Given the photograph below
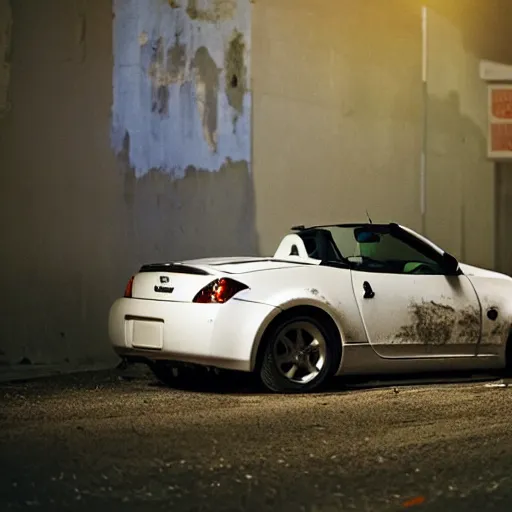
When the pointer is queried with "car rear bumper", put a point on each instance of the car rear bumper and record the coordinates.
(221, 335)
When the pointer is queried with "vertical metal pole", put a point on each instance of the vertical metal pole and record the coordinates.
(424, 78)
(498, 260)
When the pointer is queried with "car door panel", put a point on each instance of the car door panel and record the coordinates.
(418, 315)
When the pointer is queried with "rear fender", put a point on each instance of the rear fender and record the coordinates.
(343, 312)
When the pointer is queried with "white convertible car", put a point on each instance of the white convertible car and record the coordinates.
(347, 299)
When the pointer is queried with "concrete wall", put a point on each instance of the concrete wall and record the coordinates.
(77, 219)
(339, 113)
(461, 181)
(337, 128)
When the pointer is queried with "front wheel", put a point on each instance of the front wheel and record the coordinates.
(300, 355)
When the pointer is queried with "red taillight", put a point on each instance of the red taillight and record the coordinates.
(129, 288)
(220, 291)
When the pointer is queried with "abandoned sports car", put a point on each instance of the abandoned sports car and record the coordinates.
(348, 299)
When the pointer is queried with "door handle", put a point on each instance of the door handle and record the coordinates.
(368, 292)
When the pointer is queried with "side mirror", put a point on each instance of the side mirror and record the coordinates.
(450, 264)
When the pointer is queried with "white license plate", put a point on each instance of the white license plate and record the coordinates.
(147, 334)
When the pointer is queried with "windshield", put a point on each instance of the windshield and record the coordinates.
(385, 248)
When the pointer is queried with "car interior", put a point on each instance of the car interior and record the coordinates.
(367, 249)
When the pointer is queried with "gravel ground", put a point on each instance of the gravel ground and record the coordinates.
(116, 440)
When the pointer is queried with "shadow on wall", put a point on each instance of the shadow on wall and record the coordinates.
(203, 214)
(477, 19)
(456, 186)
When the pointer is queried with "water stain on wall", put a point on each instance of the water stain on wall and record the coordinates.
(159, 79)
(166, 67)
(176, 62)
(207, 88)
(236, 71)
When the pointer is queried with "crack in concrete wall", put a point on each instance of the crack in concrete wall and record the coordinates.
(81, 27)
(5, 53)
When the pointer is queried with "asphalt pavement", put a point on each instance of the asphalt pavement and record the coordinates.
(115, 440)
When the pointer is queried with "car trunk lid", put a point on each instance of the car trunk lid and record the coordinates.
(180, 282)
(170, 282)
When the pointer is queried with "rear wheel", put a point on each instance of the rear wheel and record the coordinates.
(300, 355)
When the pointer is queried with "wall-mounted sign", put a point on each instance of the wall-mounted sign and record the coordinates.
(500, 121)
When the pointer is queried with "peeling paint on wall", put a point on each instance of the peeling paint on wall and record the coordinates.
(5, 53)
(181, 75)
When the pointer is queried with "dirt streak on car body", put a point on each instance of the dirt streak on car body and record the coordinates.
(434, 324)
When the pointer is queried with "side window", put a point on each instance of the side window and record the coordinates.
(392, 255)
(345, 242)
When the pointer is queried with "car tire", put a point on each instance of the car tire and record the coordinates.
(277, 362)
